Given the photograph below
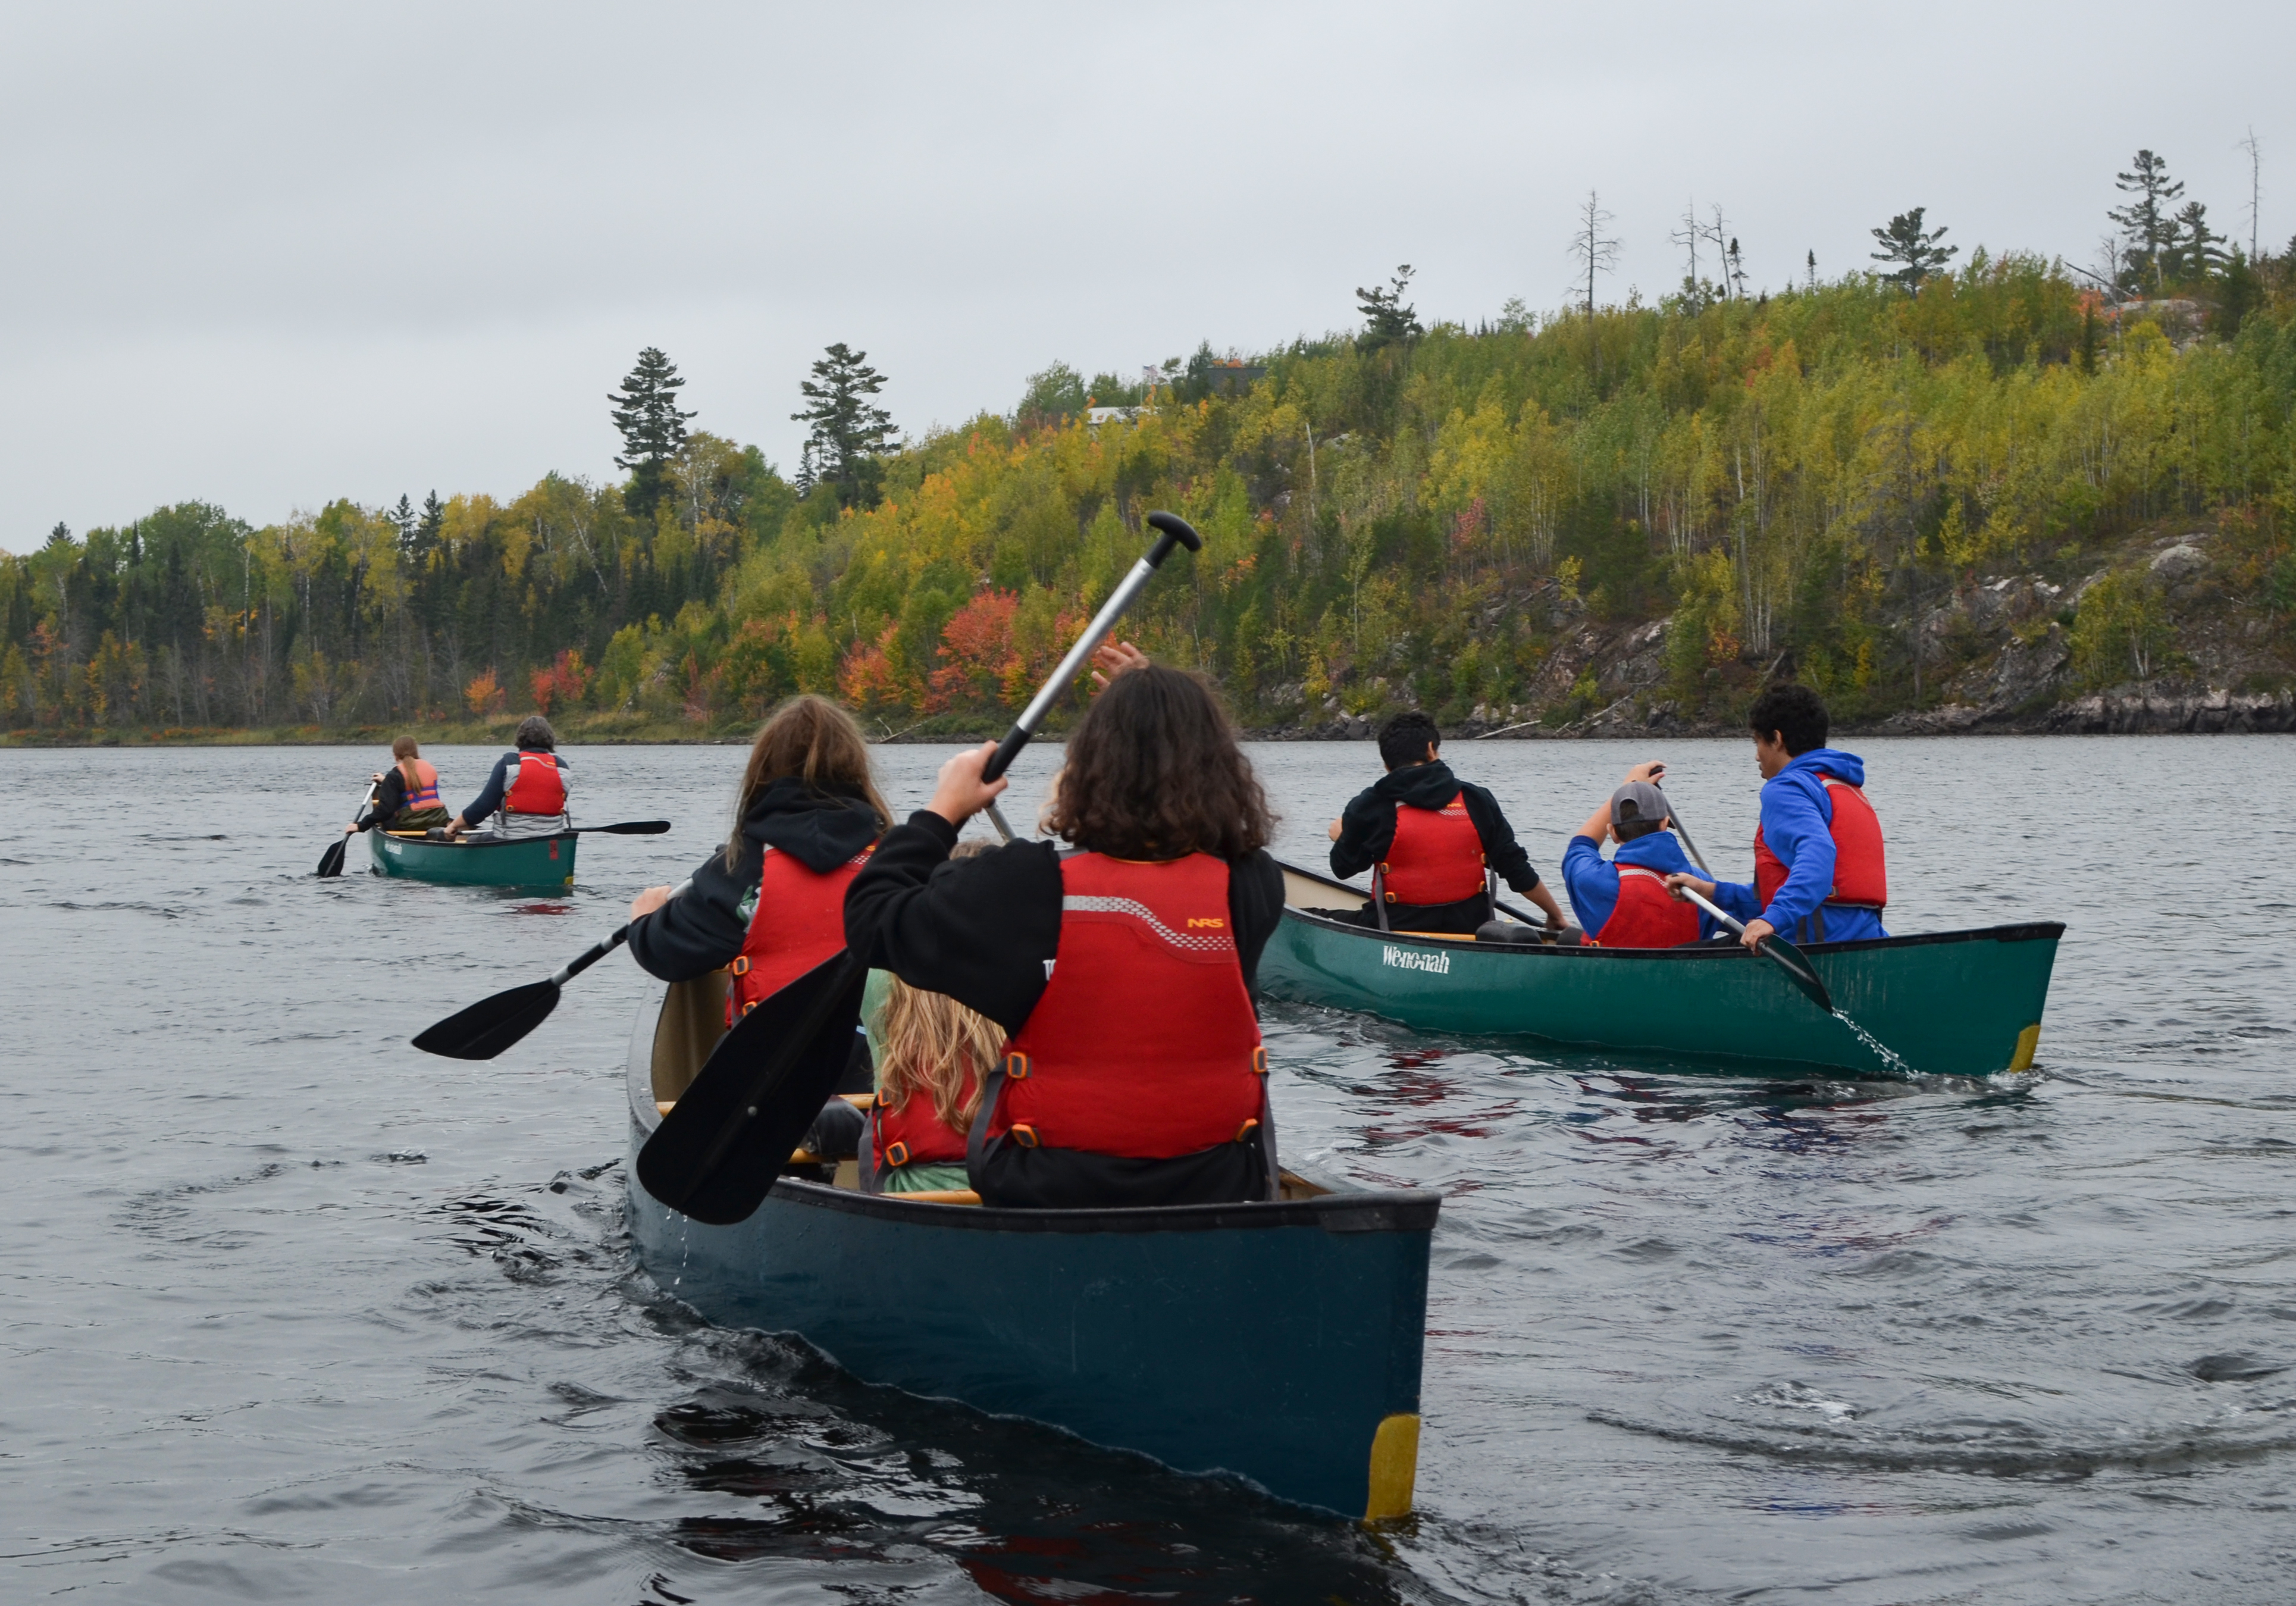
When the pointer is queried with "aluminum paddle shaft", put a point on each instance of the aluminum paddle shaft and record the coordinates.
(1172, 530)
(1774, 948)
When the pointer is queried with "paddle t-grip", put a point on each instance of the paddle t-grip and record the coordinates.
(1172, 530)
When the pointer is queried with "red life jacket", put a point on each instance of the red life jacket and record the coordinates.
(1861, 878)
(1144, 1043)
(422, 784)
(538, 788)
(1645, 915)
(1437, 856)
(799, 921)
(913, 1134)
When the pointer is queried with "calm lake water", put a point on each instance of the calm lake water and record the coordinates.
(293, 1312)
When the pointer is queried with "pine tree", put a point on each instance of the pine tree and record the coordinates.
(645, 412)
(403, 516)
(432, 529)
(851, 433)
(1386, 317)
(2194, 251)
(2145, 224)
(1917, 253)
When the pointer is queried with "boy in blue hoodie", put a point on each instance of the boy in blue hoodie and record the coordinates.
(1626, 902)
(1820, 873)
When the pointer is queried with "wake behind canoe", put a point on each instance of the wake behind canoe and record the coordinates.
(1951, 1004)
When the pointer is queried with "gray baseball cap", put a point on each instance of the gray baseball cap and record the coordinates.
(1638, 801)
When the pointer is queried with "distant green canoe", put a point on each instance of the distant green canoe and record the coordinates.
(1966, 1003)
(537, 862)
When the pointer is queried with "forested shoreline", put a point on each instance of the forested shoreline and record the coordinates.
(1605, 516)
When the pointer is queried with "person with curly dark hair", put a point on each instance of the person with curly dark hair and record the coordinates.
(1121, 969)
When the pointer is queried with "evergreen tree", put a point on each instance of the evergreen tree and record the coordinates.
(2194, 251)
(1916, 253)
(2145, 224)
(1387, 319)
(851, 433)
(430, 529)
(403, 516)
(646, 412)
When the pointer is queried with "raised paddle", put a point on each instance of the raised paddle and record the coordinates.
(627, 828)
(491, 1025)
(1171, 531)
(1775, 950)
(717, 1150)
(331, 863)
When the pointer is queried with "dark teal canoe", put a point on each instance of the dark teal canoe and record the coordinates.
(536, 862)
(1966, 1003)
(1277, 1343)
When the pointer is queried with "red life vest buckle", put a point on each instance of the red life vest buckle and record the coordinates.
(1016, 1068)
(751, 1004)
(1244, 1132)
(1024, 1135)
(898, 1155)
(740, 965)
(1260, 1061)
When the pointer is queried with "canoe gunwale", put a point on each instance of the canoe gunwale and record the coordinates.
(2045, 930)
(462, 842)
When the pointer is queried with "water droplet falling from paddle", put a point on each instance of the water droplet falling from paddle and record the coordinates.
(1881, 1051)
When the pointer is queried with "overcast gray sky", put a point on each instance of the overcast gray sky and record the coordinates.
(268, 256)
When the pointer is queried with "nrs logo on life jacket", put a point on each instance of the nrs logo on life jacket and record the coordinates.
(799, 921)
(1144, 1043)
(539, 788)
(1861, 876)
(1437, 856)
(1646, 915)
(422, 784)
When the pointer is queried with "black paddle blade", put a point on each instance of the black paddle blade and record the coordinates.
(629, 828)
(491, 1025)
(331, 863)
(1797, 967)
(717, 1152)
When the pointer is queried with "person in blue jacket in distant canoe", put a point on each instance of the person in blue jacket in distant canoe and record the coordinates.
(1626, 902)
(1820, 873)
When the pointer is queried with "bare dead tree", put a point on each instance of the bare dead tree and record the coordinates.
(1596, 253)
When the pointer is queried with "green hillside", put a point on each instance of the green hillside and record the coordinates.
(1629, 517)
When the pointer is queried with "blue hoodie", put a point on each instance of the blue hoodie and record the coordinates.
(1593, 882)
(1796, 825)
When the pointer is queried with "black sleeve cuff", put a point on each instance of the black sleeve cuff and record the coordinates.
(926, 820)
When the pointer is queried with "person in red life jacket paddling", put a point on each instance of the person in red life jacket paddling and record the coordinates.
(1433, 840)
(769, 905)
(1121, 969)
(526, 790)
(406, 794)
(1625, 902)
(1820, 873)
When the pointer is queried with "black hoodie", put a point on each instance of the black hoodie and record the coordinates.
(1367, 823)
(702, 929)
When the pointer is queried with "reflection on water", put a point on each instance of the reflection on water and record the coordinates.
(294, 1312)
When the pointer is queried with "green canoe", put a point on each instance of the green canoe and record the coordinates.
(1964, 1004)
(515, 862)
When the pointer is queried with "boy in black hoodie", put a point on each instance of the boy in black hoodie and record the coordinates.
(1431, 838)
